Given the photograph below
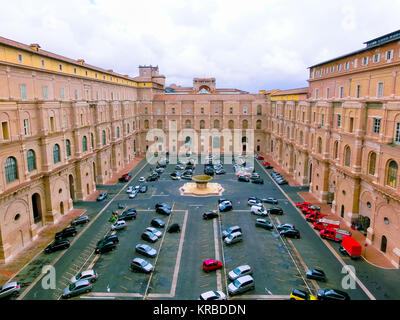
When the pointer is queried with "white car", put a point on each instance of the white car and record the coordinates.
(89, 275)
(241, 285)
(259, 211)
(253, 202)
(129, 189)
(240, 271)
(119, 225)
(132, 195)
(142, 179)
(154, 231)
(213, 295)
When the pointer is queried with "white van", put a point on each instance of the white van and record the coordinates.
(259, 211)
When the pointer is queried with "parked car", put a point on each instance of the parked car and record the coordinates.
(152, 177)
(176, 176)
(213, 295)
(332, 294)
(316, 274)
(297, 294)
(105, 246)
(254, 175)
(65, 233)
(148, 236)
(210, 215)
(211, 265)
(119, 225)
(263, 223)
(154, 231)
(186, 177)
(165, 209)
(57, 244)
(225, 206)
(179, 167)
(143, 189)
(128, 215)
(233, 238)
(77, 288)
(275, 210)
(281, 182)
(129, 189)
(230, 230)
(158, 223)
(239, 272)
(243, 178)
(260, 158)
(220, 171)
(258, 211)
(254, 201)
(142, 179)
(146, 250)
(267, 165)
(291, 233)
(102, 196)
(133, 194)
(174, 228)
(89, 275)
(241, 284)
(112, 237)
(284, 226)
(139, 264)
(270, 200)
(80, 220)
(126, 177)
(209, 171)
(258, 181)
(10, 289)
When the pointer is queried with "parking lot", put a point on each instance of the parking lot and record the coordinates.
(279, 264)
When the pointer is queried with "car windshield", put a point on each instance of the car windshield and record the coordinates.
(144, 263)
(71, 286)
(236, 283)
(79, 275)
(146, 248)
(236, 271)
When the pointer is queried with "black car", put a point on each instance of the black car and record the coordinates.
(56, 245)
(263, 223)
(291, 233)
(152, 177)
(270, 200)
(105, 246)
(102, 196)
(243, 178)
(316, 274)
(111, 237)
(284, 226)
(158, 223)
(209, 171)
(67, 232)
(210, 215)
(275, 210)
(332, 294)
(174, 228)
(143, 189)
(127, 215)
(258, 181)
(164, 209)
(125, 178)
(160, 170)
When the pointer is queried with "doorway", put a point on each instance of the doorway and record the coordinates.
(37, 208)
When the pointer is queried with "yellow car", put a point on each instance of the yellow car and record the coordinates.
(301, 295)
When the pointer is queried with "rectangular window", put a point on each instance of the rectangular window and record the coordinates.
(20, 58)
(364, 61)
(380, 89)
(97, 95)
(173, 110)
(303, 116)
(389, 55)
(216, 110)
(51, 124)
(187, 110)
(76, 94)
(322, 120)
(339, 120)
(245, 110)
(230, 110)
(42, 63)
(23, 91)
(377, 125)
(397, 134)
(327, 93)
(332, 68)
(347, 65)
(64, 121)
(26, 127)
(341, 90)
(358, 91)
(314, 117)
(202, 110)
(74, 70)
(339, 67)
(351, 124)
(4, 129)
(60, 67)
(316, 93)
(62, 94)
(45, 93)
(355, 63)
(377, 57)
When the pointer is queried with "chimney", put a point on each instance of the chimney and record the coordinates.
(34, 46)
(81, 61)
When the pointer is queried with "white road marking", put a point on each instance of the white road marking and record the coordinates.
(217, 257)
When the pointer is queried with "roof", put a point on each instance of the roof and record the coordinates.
(291, 91)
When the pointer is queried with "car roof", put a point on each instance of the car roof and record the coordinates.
(209, 261)
(208, 294)
(235, 233)
(261, 220)
(245, 278)
(9, 285)
(86, 272)
(81, 282)
(244, 267)
(139, 260)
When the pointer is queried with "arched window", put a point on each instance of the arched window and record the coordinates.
(347, 156)
(216, 124)
(56, 153)
(231, 124)
(188, 124)
(103, 137)
(31, 159)
(391, 177)
(372, 163)
(319, 145)
(245, 124)
(68, 147)
(202, 124)
(258, 124)
(11, 169)
(84, 144)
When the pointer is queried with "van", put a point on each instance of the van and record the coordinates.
(230, 230)
(233, 238)
(241, 284)
(259, 211)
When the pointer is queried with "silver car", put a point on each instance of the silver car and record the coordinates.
(77, 288)
(239, 272)
(146, 250)
(241, 284)
(154, 231)
(142, 179)
(141, 265)
(89, 275)
(132, 194)
(213, 295)
(119, 225)
(10, 288)
(129, 189)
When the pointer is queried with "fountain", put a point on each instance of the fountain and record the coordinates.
(201, 187)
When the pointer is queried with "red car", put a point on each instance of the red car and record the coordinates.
(260, 158)
(267, 165)
(301, 205)
(126, 177)
(211, 265)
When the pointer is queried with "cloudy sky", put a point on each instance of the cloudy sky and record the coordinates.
(250, 45)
